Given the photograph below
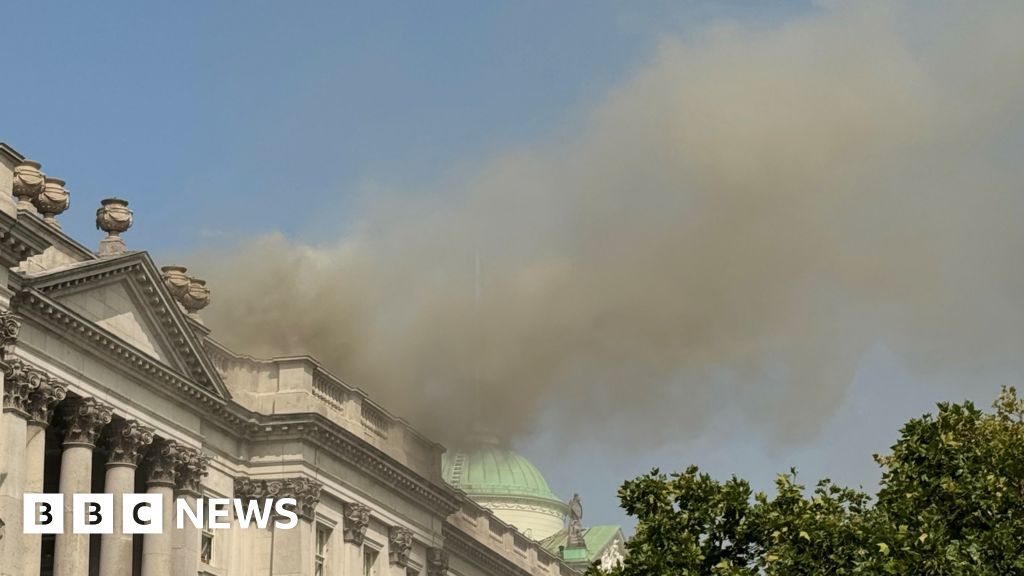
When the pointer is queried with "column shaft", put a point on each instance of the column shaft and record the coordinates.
(186, 544)
(84, 419)
(156, 548)
(35, 456)
(116, 548)
(14, 430)
(71, 555)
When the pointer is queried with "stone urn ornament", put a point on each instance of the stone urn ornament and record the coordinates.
(53, 200)
(113, 217)
(176, 281)
(197, 298)
(28, 183)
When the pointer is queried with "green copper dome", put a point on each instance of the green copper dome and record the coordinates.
(489, 469)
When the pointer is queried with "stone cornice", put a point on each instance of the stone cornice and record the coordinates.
(73, 326)
(18, 242)
(465, 546)
(34, 224)
(11, 153)
(351, 448)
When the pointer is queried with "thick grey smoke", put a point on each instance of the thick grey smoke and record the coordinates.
(732, 226)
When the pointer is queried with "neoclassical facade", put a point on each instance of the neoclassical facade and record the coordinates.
(112, 384)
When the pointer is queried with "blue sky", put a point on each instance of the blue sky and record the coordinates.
(221, 121)
(227, 118)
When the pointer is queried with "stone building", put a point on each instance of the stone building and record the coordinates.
(112, 384)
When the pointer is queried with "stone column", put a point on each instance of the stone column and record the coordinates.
(185, 548)
(84, 419)
(20, 380)
(354, 525)
(437, 562)
(399, 548)
(41, 403)
(162, 460)
(125, 440)
(292, 550)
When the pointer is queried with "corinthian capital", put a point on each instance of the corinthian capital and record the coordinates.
(20, 380)
(43, 399)
(10, 325)
(85, 418)
(126, 441)
(191, 470)
(399, 545)
(162, 461)
(357, 520)
(437, 562)
(305, 491)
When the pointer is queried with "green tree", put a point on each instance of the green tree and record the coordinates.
(950, 502)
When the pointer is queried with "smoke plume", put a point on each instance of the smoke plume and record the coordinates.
(731, 227)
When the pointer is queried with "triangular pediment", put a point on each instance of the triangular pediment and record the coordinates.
(117, 307)
(124, 297)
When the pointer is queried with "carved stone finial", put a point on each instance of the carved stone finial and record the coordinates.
(162, 461)
(356, 521)
(399, 545)
(43, 399)
(197, 297)
(176, 281)
(437, 562)
(126, 441)
(113, 217)
(20, 380)
(84, 419)
(305, 491)
(53, 200)
(191, 470)
(28, 183)
(10, 325)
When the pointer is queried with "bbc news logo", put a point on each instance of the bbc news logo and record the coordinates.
(144, 513)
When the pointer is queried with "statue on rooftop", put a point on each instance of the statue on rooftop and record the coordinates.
(576, 523)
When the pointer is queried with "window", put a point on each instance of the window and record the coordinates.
(323, 536)
(206, 547)
(369, 563)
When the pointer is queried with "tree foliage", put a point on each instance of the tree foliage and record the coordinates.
(950, 502)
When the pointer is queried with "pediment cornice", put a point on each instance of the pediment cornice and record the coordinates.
(175, 330)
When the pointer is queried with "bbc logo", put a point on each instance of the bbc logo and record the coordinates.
(93, 513)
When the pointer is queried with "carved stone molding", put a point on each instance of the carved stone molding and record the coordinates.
(44, 399)
(191, 470)
(10, 326)
(162, 461)
(356, 521)
(84, 418)
(20, 380)
(305, 491)
(437, 562)
(399, 545)
(127, 441)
